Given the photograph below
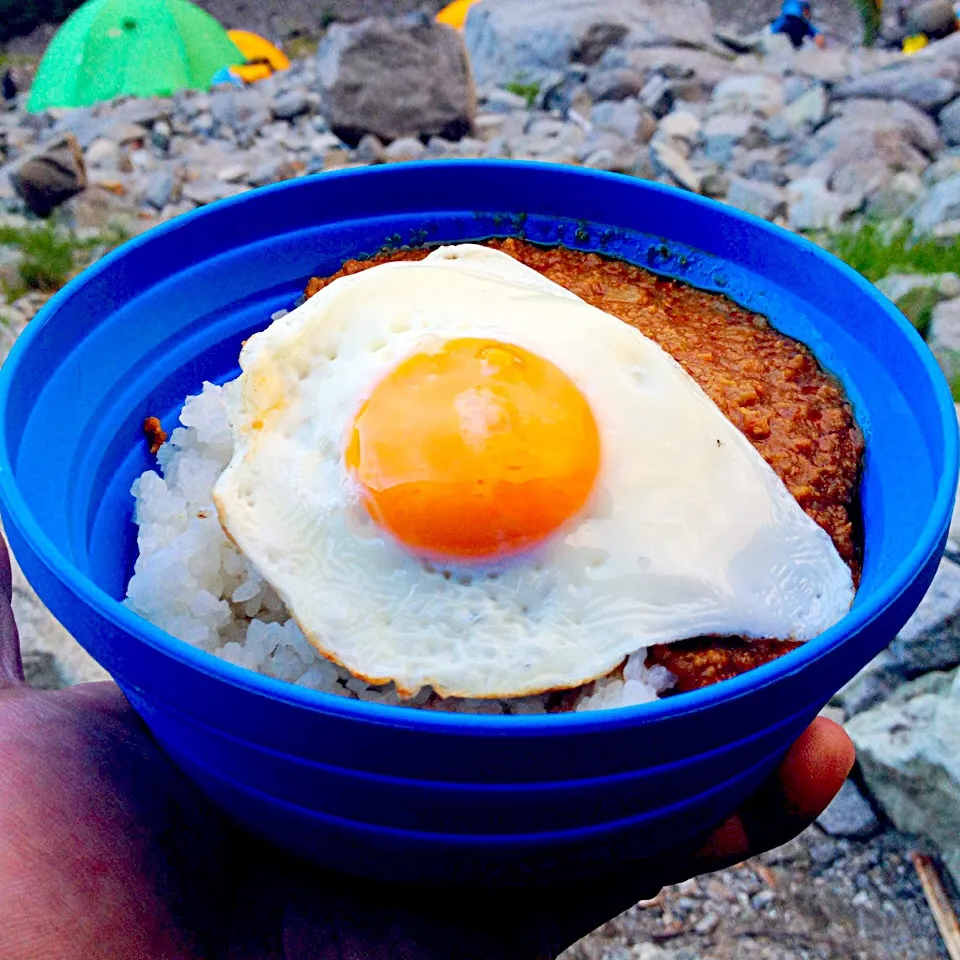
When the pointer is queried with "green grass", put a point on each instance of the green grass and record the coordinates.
(51, 256)
(529, 91)
(871, 16)
(876, 252)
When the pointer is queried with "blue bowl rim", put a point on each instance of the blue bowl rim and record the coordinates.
(859, 617)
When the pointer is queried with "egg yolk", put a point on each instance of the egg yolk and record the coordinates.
(474, 451)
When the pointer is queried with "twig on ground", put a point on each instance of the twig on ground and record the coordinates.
(939, 903)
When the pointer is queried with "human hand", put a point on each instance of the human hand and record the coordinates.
(106, 851)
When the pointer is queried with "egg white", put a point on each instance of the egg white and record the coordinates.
(689, 532)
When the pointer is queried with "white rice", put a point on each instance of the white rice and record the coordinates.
(192, 582)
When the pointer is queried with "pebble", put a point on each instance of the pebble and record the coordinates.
(707, 924)
(288, 106)
(849, 815)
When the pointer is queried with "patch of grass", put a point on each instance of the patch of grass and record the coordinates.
(301, 47)
(876, 252)
(918, 306)
(871, 16)
(51, 256)
(529, 91)
(48, 256)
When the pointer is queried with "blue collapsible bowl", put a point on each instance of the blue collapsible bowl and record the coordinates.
(401, 794)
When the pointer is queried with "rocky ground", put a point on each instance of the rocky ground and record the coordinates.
(282, 19)
(817, 141)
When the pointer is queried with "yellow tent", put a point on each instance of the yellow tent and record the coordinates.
(263, 58)
(455, 14)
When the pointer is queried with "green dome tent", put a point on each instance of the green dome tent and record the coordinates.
(138, 48)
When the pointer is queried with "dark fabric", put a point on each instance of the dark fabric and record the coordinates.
(9, 86)
(796, 28)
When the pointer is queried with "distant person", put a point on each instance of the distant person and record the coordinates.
(9, 86)
(795, 21)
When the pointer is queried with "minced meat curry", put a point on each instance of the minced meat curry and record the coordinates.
(767, 384)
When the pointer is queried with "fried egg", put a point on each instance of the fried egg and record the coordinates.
(458, 474)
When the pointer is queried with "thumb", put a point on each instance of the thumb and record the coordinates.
(11, 666)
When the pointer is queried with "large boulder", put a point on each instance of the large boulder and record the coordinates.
(935, 18)
(941, 205)
(526, 40)
(927, 84)
(865, 135)
(395, 79)
(930, 640)
(909, 751)
(51, 175)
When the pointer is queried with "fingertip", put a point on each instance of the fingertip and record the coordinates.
(815, 767)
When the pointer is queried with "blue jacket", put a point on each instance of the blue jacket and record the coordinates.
(792, 21)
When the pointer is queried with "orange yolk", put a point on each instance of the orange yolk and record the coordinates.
(474, 451)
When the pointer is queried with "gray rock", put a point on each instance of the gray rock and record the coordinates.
(290, 105)
(950, 123)
(758, 166)
(861, 179)
(234, 173)
(627, 118)
(941, 204)
(724, 132)
(930, 640)
(225, 109)
(103, 154)
(395, 80)
(202, 192)
(903, 136)
(872, 685)
(160, 135)
(529, 39)
(369, 150)
(941, 169)
(707, 924)
(897, 286)
(504, 101)
(715, 184)
(657, 95)
(904, 191)
(41, 671)
(408, 148)
(763, 899)
(909, 751)
(935, 18)
(691, 73)
(849, 815)
(668, 158)
(926, 84)
(160, 190)
(763, 200)
(124, 133)
(273, 171)
(50, 175)
(756, 93)
(203, 125)
(944, 341)
(809, 109)
(680, 125)
(617, 84)
(814, 207)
